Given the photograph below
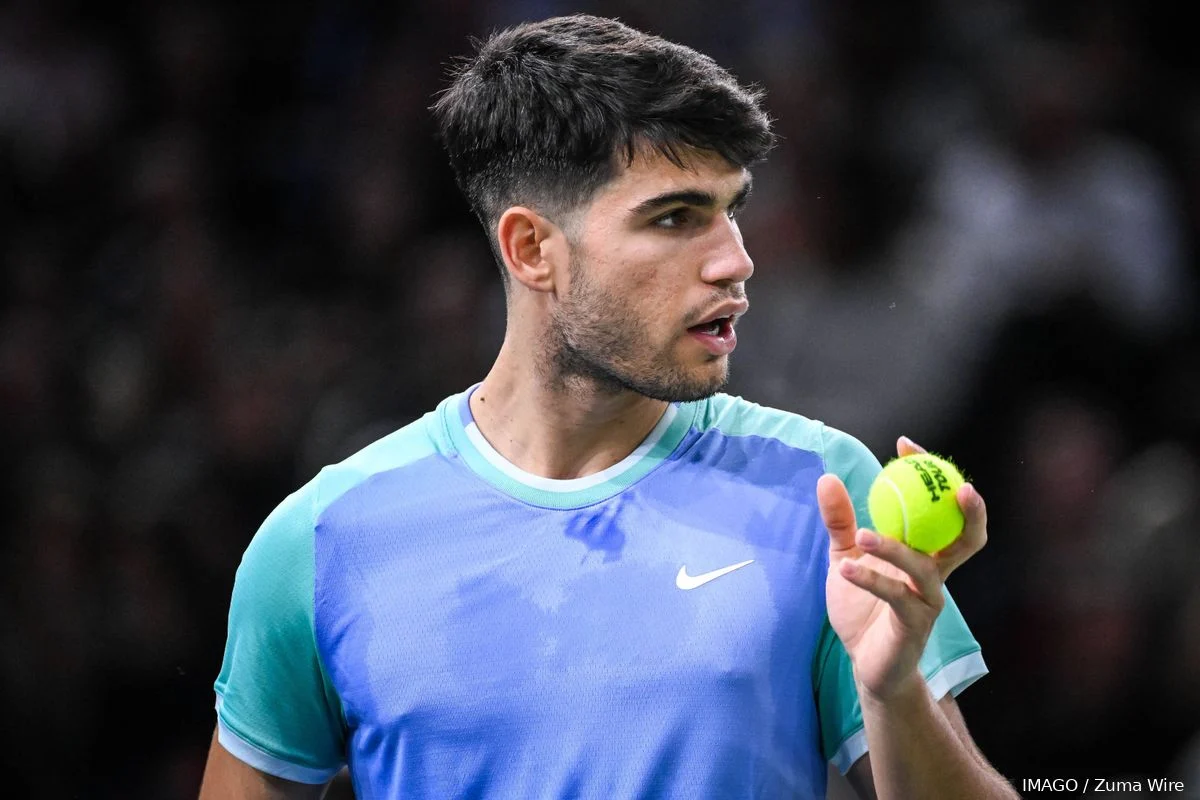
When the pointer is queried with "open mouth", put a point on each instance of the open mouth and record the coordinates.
(718, 327)
(717, 336)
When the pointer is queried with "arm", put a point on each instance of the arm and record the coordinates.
(925, 749)
(278, 711)
(883, 599)
(228, 778)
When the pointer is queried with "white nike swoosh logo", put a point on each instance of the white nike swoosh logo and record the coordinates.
(686, 582)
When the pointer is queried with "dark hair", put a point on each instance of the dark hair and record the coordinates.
(541, 113)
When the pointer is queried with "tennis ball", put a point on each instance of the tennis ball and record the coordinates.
(913, 500)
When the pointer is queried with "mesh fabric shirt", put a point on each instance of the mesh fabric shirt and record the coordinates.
(452, 627)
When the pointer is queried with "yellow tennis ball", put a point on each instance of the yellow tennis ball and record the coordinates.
(913, 500)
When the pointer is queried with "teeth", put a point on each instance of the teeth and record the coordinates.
(714, 328)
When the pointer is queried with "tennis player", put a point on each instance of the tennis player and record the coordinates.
(592, 574)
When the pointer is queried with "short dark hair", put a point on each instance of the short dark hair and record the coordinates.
(541, 113)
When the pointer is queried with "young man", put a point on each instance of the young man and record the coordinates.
(592, 575)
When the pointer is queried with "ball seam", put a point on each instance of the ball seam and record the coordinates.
(903, 508)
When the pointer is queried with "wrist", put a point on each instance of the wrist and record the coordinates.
(908, 691)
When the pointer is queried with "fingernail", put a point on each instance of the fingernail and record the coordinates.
(907, 441)
(868, 539)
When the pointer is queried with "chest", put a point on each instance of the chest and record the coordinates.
(453, 610)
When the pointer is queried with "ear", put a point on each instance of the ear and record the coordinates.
(534, 248)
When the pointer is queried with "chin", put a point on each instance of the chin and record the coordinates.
(687, 387)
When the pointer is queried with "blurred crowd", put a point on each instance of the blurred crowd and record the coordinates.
(233, 253)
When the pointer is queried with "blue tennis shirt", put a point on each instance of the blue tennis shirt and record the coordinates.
(453, 627)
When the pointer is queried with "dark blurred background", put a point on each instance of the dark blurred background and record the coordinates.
(233, 253)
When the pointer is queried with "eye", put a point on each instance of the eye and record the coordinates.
(678, 218)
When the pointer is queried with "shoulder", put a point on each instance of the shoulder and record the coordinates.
(287, 533)
(422, 438)
(735, 416)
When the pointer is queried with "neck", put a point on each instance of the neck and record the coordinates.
(558, 427)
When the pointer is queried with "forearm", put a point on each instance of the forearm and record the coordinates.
(916, 752)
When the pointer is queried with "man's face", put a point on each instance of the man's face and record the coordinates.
(656, 281)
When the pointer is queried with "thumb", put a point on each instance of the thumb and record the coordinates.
(837, 511)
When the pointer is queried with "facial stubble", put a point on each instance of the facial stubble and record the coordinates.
(594, 341)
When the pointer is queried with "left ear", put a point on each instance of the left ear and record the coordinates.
(534, 249)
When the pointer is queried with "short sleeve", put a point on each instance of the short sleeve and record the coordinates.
(952, 660)
(854, 463)
(276, 707)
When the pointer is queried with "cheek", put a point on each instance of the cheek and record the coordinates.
(651, 301)
(639, 279)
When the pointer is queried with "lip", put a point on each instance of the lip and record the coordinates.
(720, 344)
(733, 309)
(725, 340)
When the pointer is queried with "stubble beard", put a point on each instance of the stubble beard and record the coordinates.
(591, 346)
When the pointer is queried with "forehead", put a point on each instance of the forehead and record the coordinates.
(651, 174)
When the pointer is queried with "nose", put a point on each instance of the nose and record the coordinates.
(728, 262)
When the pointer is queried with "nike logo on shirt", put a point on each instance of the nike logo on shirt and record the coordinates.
(686, 582)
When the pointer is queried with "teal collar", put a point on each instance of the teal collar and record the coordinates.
(488, 464)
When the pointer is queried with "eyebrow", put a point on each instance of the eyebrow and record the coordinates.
(689, 197)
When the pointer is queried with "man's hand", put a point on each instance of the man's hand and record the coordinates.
(883, 596)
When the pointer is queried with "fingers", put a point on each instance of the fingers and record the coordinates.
(922, 570)
(974, 535)
(906, 447)
(910, 608)
(837, 511)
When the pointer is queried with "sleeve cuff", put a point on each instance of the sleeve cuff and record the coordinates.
(851, 750)
(247, 753)
(957, 675)
(952, 678)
